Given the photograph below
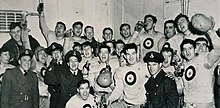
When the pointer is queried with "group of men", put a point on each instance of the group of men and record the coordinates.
(143, 69)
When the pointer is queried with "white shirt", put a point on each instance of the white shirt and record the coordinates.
(77, 102)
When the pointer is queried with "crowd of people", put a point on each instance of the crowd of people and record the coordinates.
(145, 68)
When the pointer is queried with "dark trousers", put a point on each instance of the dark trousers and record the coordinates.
(54, 100)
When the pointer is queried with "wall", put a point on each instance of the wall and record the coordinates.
(102, 13)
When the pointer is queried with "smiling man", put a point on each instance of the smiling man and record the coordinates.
(161, 91)
(82, 99)
(20, 85)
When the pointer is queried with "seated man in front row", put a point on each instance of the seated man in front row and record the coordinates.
(82, 98)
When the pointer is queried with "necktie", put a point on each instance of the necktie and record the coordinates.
(25, 72)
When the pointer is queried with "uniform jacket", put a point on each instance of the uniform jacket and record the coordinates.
(161, 92)
(67, 82)
(19, 91)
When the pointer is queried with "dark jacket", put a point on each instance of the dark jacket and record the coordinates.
(161, 92)
(67, 82)
(19, 91)
(15, 49)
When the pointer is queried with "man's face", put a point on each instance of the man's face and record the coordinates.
(89, 33)
(5, 57)
(182, 24)
(148, 23)
(87, 51)
(42, 56)
(59, 30)
(83, 91)
(201, 46)
(119, 47)
(16, 33)
(169, 30)
(131, 56)
(25, 62)
(77, 48)
(167, 58)
(108, 35)
(73, 63)
(104, 55)
(77, 30)
(57, 55)
(154, 67)
(125, 32)
(188, 51)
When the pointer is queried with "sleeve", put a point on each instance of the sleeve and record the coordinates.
(6, 87)
(214, 55)
(43, 26)
(118, 90)
(50, 77)
(35, 92)
(170, 94)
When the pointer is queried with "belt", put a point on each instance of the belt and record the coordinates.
(197, 105)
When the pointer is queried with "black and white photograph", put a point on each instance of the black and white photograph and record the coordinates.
(109, 53)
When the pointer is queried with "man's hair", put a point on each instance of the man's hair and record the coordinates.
(169, 21)
(62, 24)
(124, 24)
(187, 41)
(153, 17)
(14, 24)
(3, 49)
(107, 28)
(84, 81)
(77, 23)
(202, 39)
(112, 42)
(104, 46)
(85, 44)
(88, 27)
(129, 46)
(180, 16)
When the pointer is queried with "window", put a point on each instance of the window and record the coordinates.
(7, 17)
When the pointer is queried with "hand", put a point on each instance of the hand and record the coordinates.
(68, 33)
(170, 75)
(139, 26)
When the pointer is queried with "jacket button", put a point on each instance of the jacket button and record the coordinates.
(155, 93)
(157, 85)
(20, 93)
(21, 100)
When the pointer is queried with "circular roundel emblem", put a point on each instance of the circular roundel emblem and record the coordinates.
(148, 43)
(87, 106)
(130, 78)
(190, 73)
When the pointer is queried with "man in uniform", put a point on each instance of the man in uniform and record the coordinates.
(20, 85)
(129, 81)
(161, 91)
(56, 64)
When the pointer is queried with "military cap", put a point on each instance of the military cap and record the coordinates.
(153, 57)
(73, 53)
(26, 52)
(54, 46)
